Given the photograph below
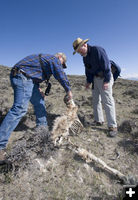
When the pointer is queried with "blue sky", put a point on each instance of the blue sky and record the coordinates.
(50, 26)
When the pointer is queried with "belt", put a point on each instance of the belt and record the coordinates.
(100, 74)
(16, 70)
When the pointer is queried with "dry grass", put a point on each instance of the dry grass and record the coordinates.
(44, 172)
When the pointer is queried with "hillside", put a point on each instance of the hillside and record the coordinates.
(42, 172)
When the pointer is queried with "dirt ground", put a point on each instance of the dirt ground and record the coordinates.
(42, 172)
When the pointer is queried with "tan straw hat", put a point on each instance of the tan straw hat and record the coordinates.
(78, 43)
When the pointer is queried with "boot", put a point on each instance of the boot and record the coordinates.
(112, 131)
(95, 123)
(2, 156)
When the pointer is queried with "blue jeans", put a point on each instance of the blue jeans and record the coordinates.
(25, 90)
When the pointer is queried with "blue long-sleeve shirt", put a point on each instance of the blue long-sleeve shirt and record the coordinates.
(52, 66)
(97, 61)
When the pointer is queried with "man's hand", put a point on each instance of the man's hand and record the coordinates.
(68, 100)
(69, 95)
(105, 86)
(41, 92)
(87, 86)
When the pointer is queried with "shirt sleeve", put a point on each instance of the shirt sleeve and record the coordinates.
(105, 64)
(59, 74)
(89, 76)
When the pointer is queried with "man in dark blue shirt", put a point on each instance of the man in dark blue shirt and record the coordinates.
(25, 78)
(98, 72)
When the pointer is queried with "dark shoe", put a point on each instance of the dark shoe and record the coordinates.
(2, 156)
(5, 164)
(95, 123)
(112, 131)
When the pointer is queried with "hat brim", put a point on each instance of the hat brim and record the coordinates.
(82, 43)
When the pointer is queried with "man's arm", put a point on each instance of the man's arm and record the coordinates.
(59, 74)
(105, 64)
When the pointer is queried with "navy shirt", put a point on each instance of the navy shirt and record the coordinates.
(97, 61)
(116, 70)
(52, 66)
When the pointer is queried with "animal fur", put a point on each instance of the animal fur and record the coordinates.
(65, 123)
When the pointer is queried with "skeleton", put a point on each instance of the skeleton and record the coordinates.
(89, 157)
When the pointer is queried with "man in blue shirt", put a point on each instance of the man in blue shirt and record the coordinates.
(98, 72)
(25, 78)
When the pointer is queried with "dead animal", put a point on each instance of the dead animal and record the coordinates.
(68, 122)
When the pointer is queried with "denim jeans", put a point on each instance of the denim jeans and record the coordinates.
(25, 90)
(105, 97)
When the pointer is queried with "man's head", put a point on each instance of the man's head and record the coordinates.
(80, 46)
(63, 59)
